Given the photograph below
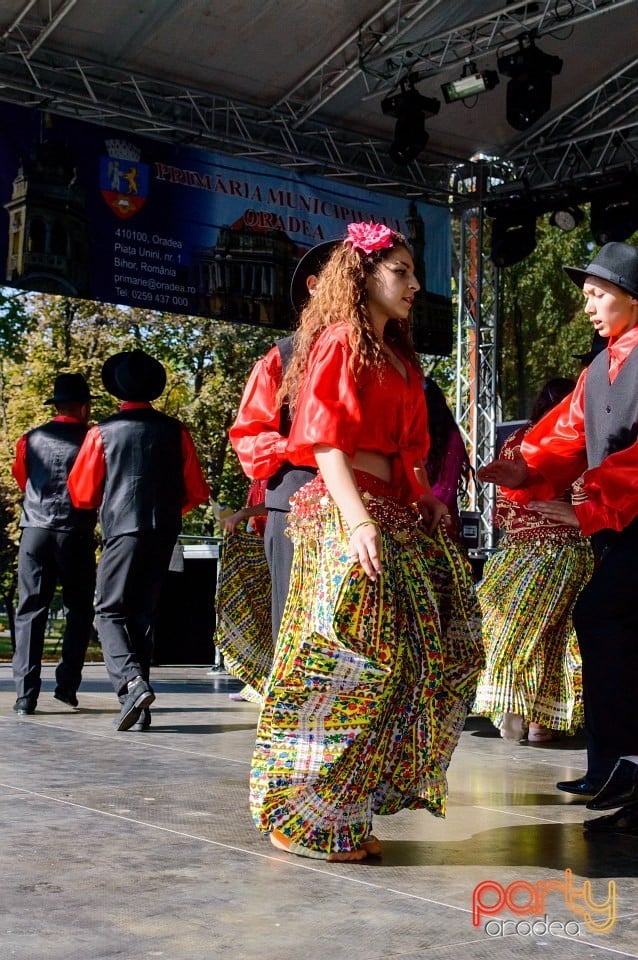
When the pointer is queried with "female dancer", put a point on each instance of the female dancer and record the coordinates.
(379, 649)
(531, 687)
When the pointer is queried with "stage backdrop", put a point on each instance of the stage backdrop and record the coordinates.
(94, 213)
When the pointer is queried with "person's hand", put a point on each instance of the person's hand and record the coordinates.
(230, 524)
(364, 545)
(506, 473)
(433, 511)
(557, 510)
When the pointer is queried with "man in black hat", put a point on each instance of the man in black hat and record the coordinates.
(57, 545)
(593, 433)
(140, 467)
(259, 433)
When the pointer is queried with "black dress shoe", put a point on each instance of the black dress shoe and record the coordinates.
(139, 696)
(64, 695)
(143, 723)
(24, 707)
(620, 790)
(583, 787)
(623, 822)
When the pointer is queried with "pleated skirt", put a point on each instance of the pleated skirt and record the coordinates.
(533, 666)
(371, 681)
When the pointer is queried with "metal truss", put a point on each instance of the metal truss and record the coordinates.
(387, 47)
(593, 137)
(577, 144)
(96, 93)
(477, 402)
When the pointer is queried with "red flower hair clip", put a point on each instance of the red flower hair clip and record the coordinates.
(369, 236)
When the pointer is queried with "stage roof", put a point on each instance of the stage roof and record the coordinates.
(299, 83)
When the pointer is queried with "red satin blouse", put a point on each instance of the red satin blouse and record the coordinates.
(373, 410)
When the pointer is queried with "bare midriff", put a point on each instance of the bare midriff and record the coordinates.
(378, 464)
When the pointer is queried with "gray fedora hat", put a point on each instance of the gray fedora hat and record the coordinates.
(615, 262)
(309, 265)
(70, 388)
(133, 375)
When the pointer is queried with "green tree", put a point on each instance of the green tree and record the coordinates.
(207, 364)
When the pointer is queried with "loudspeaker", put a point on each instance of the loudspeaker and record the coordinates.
(513, 237)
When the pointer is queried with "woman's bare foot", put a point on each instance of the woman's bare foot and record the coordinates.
(373, 846)
(539, 734)
(348, 856)
(282, 842)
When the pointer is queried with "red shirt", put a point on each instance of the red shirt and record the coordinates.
(86, 479)
(555, 452)
(522, 523)
(19, 468)
(255, 436)
(374, 410)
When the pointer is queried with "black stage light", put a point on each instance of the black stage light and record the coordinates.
(566, 218)
(529, 92)
(513, 236)
(410, 108)
(614, 212)
(470, 84)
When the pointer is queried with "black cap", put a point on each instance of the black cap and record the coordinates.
(70, 388)
(309, 266)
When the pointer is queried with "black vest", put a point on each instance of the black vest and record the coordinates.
(288, 479)
(144, 483)
(611, 409)
(51, 451)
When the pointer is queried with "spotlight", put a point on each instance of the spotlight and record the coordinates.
(614, 212)
(410, 108)
(513, 236)
(470, 84)
(529, 92)
(567, 218)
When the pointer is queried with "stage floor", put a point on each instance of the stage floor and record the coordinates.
(140, 845)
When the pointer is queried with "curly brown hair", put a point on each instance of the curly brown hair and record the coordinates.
(340, 296)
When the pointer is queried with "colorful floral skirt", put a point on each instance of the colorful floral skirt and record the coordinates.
(533, 668)
(243, 605)
(371, 681)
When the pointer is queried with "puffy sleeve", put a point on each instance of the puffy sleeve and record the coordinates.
(611, 492)
(19, 468)
(555, 450)
(255, 436)
(328, 409)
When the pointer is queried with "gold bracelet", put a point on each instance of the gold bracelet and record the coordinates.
(363, 523)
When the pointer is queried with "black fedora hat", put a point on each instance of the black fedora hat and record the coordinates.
(133, 375)
(598, 344)
(616, 263)
(70, 388)
(309, 266)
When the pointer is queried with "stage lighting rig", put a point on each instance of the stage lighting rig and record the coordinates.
(410, 109)
(529, 91)
(470, 84)
(567, 218)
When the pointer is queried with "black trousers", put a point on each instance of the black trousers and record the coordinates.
(279, 550)
(46, 558)
(606, 622)
(130, 574)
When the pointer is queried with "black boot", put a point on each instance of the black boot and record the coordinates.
(620, 790)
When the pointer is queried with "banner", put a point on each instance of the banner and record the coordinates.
(99, 214)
